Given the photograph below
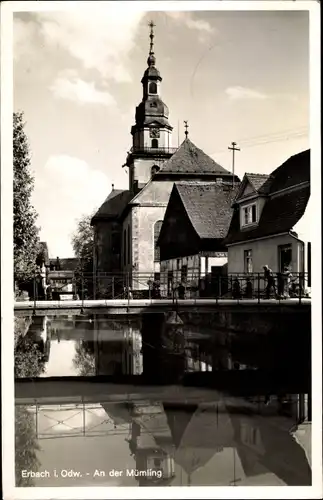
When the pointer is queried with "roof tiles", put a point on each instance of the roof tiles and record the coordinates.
(208, 206)
(190, 159)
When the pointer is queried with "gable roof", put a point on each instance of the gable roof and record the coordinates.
(189, 159)
(113, 206)
(255, 181)
(288, 191)
(208, 206)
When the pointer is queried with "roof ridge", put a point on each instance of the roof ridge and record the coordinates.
(255, 173)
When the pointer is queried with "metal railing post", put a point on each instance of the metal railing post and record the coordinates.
(128, 291)
(258, 288)
(34, 287)
(82, 290)
(112, 286)
(300, 288)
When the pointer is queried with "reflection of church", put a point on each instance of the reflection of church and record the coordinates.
(181, 443)
(176, 441)
(127, 225)
(117, 347)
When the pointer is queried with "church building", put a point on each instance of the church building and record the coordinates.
(127, 225)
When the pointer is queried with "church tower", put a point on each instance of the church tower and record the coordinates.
(151, 134)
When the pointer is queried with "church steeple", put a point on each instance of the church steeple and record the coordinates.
(152, 131)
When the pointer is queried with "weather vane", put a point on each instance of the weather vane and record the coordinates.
(151, 26)
(186, 127)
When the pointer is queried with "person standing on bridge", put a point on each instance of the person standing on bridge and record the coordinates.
(269, 278)
(287, 279)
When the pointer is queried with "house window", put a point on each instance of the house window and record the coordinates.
(248, 261)
(284, 257)
(249, 214)
(157, 228)
(154, 143)
(152, 88)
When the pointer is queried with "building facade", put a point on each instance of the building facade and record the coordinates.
(127, 225)
(266, 212)
(191, 244)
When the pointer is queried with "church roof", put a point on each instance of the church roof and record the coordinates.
(189, 159)
(113, 206)
(208, 206)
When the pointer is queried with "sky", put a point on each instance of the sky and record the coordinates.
(235, 76)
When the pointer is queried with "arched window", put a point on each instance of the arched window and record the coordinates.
(154, 143)
(153, 88)
(157, 228)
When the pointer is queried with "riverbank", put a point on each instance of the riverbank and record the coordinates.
(303, 436)
(21, 327)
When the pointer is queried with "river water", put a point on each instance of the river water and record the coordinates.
(160, 432)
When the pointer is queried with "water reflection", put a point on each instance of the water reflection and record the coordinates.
(221, 440)
(220, 443)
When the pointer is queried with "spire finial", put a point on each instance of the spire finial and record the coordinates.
(151, 59)
(186, 128)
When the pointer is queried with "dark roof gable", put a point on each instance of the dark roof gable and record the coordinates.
(292, 172)
(113, 206)
(208, 206)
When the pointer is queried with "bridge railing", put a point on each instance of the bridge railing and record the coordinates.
(173, 285)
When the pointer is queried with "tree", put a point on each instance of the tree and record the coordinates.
(84, 360)
(26, 446)
(83, 246)
(26, 238)
(42, 255)
(83, 242)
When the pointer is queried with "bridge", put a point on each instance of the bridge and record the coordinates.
(195, 387)
(139, 306)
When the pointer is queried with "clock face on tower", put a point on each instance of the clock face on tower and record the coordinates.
(154, 133)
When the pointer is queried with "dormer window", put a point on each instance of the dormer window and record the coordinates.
(249, 214)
